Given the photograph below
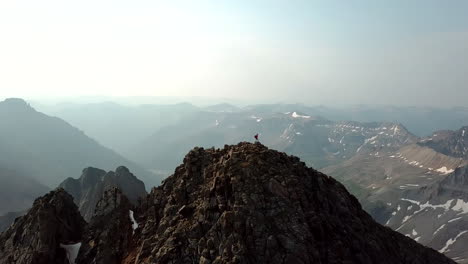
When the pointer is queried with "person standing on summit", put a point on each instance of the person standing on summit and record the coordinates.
(256, 137)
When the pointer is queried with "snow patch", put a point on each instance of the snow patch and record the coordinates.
(72, 251)
(461, 206)
(427, 205)
(134, 223)
(438, 229)
(372, 139)
(444, 170)
(296, 115)
(258, 119)
(405, 219)
(414, 233)
(451, 242)
(455, 219)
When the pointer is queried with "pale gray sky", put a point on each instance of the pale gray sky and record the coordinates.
(320, 52)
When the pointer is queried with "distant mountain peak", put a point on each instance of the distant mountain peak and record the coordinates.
(122, 170)
(16, 103)
(449, 142)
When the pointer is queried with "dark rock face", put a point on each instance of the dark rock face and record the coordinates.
(109, 234)
(90, 187)
(36, 237)
(248, 204)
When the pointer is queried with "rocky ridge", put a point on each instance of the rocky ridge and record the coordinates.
(243, 203)
(37, 237)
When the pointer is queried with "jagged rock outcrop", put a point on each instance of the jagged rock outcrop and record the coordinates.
(109, 234)
(35, 238)
(248, 204)
(90, 187)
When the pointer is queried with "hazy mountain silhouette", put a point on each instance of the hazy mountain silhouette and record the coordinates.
(18, 191)
(49, 149)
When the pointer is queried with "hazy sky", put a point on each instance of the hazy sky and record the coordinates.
(330, 52)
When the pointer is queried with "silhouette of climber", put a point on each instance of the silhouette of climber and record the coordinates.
(256, 137)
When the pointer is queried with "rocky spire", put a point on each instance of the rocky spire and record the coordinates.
(110, 231)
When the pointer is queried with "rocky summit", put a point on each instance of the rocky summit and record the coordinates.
(248, 204)
(243, 203)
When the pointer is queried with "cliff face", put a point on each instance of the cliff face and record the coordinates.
(37, 237)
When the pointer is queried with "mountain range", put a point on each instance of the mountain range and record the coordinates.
(123, 127)
(409, 183)
(418, 190)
